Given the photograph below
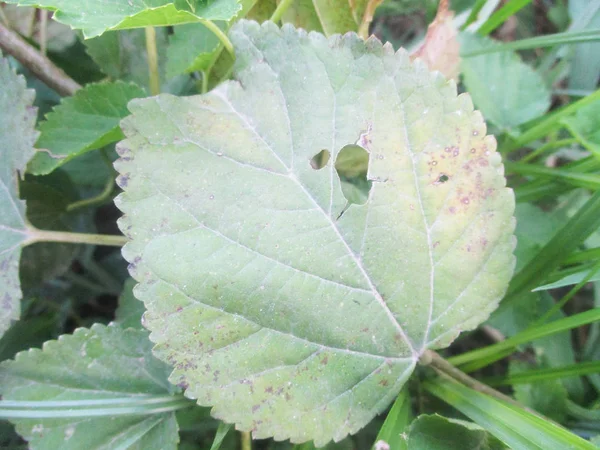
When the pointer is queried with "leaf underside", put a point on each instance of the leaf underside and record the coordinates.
(17, 136)
(293, 314)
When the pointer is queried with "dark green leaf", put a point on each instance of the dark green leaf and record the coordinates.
(88, 120)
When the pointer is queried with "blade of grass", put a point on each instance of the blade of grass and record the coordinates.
(519, 429)
(550, 123)
(528, 335)
(532, 376)
(584, 180)
(499, 17)
(583, 256)
(548, 40)
(220, 435)
(396, 423)
(565, 241)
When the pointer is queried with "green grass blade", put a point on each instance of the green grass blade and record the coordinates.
(565, 241)
(220, 435)
(528, 335)
(397, 422)
(532, 376)
(499, 17)
(591, 254)
(549, 123)
(584, 180)
(549, 40)
(518, 428)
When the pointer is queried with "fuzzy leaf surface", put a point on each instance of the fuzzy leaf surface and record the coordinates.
(95, 17)
(292, 313)
(88, 120)
(91, 365)
(18, 135)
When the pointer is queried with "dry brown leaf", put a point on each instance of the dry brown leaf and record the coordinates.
(441, 49)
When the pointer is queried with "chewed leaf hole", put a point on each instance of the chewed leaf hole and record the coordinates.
(442, 178)
(320, 160)
(352, 165)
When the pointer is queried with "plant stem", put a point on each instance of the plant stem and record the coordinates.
(98, 199)
(40, 65)
(220, 35)
(43, 32)
(246, 440)
(441, 366)
(36, 235)
(152, 61)
(280, 10)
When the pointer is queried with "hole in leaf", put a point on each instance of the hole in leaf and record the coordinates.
(442, 178)
(352, 165)
(320, 160)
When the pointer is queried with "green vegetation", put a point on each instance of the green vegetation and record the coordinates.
(246, 224)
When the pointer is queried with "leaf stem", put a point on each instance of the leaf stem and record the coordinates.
(280, 10)
(246, 440)
(39, 64)
(96, 200)
(36, 235)
(443, 367)
(43, 32)
(152, 61)
(220, 35)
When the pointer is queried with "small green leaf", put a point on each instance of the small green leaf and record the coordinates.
(88, 120)
(440, 433)
(508, 91)
(90, 369)
(241, 247)
(17, 137)
(95, 17)
(130, 310)
(192, 48)
(122, 54)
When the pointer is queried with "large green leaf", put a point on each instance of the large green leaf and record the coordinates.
(97, 16)
(294, 314)
(85, 380)
(17, 137)
(86, 121)
(508, 91)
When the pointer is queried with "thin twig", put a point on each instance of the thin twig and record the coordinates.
(40, 65)
(44, 32)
